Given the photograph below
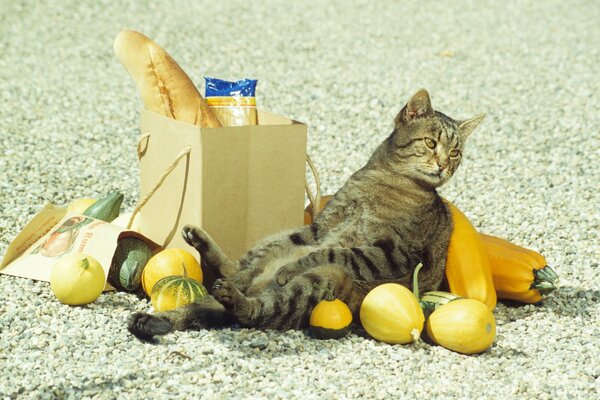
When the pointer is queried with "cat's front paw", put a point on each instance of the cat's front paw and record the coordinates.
(145, 326)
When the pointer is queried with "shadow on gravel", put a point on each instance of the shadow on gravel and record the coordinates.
(566, 301)
(118, 302)
(571, 301)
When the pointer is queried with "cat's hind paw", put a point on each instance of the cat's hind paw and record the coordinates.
(145, 326)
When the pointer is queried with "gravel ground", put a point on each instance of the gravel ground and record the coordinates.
(69, 121)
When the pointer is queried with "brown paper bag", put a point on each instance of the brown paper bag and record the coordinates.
(240, 184)
(52, 233)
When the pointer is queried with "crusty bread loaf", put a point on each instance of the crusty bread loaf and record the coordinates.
(164, 87)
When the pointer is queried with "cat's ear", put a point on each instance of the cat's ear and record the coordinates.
(419, 106)
(468, 126)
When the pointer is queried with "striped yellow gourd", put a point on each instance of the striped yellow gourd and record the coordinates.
(175, 291)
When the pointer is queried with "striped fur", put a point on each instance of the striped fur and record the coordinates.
(386, 219)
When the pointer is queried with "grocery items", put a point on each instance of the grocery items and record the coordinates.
(164, 87)
(129, 260)
(391, 313)
(77, 207)
(330, 319)
(431, 301)
(519, 274)
(465, 325)
(169, 262)
(175, 291)
(234, 103)
(468, 268)
(106, 208)
(77, 279)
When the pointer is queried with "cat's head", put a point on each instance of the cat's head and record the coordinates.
(426, 145)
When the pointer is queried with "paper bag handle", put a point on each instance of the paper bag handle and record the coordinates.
(183, 153)
(140, 151)
(315, 201)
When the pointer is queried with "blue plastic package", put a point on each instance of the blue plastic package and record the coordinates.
(234, 103)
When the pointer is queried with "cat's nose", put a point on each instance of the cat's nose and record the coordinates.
(442, 167)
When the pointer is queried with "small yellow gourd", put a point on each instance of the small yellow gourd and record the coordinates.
(468, 268)
(77, 279)
(175, 291)
(392, 314)
(167, 263)
(330, 319)
(464, 325)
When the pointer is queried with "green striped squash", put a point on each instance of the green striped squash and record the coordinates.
(431, 301)
(175, 291)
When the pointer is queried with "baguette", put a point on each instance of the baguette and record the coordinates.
(164, 87)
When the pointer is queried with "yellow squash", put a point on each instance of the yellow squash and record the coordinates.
(519, 274)
(174, 291)
(77, 279)
(464, 325)
(468, 269)
(330, 319)
(169, 262)
(391, 313)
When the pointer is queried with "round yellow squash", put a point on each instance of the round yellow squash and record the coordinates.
(391, 313)
(464, 325)
(167, 263)
(330, 319)
(77, 279)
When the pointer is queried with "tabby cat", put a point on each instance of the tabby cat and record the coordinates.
(386, 219)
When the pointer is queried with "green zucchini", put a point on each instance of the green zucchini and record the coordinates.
(107, 208)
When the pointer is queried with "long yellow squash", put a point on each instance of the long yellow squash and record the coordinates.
(519, 273)
(468, 268)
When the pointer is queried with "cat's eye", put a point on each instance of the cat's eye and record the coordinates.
(430, 143)
(454, 153)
